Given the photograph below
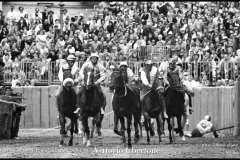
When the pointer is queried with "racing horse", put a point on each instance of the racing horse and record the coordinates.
(91, 105)
(151, 106)
(125, 103)
(66, 104)
(175, 102)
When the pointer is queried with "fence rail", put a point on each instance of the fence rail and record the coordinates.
(48, 73)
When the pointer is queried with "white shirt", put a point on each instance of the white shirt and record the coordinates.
(65, 66)
(163, 66)
(204, 126)
(143, 75)
(88, 64)
(11, 15)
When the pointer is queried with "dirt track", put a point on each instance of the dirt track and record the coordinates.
(37, 144)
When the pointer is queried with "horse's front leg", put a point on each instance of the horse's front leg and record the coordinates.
(98, 125)
(159, 120)
(115, 129)
(147, 128)
(136, 123)
(87, 131)
(180, 127)
(123, 129)
(93, 127)
(73, 123)
(170, 130)
(129, 121)
(62, 129)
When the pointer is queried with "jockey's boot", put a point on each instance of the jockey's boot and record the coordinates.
(214, 132)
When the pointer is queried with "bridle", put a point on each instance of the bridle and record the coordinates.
(125, 88)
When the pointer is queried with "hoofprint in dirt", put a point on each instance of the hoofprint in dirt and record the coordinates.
(42, 143)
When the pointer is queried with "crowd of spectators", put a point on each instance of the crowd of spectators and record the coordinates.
(203, 36)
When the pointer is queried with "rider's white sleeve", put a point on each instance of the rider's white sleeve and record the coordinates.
(102, 71)
(60, 74)
(144, 78)
(81, 75)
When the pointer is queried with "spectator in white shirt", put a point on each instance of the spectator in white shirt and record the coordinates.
(11, 15)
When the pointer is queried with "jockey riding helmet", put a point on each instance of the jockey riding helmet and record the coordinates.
(94, 60)
(148, 65)
(172, 63)
(94, 55)
(71, 58)
(123, 64)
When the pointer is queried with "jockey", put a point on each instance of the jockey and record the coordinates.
(130, 76)
(99, 75)
(70, 65)
(147, 75)
(203, 127)
(173, 78)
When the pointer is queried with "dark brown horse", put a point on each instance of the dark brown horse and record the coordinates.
(175, 108)
(91, 105)
(66, 107)
(125, 103)
(152, 108)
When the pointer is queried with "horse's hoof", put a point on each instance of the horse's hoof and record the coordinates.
(170, 142)
(91, 135)
(136, 139)
(70, 143)
(99, 137)
(117, 132)
(80, 135)
(65, 135)
(88, 143)
(183, 138)
(84, 140)
(61, 142)
(129, 146)
(152, 134)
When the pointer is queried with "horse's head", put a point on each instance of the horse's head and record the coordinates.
(88, 78)
(158, 84)
(68, 80)
(118, 78)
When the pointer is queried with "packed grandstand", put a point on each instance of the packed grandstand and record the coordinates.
(202, 36)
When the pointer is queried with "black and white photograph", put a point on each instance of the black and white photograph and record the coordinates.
(119, 79)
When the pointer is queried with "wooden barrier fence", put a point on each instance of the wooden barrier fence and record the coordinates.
(221, 103)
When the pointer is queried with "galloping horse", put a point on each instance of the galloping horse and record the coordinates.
(66, 107)
(125, 103)
(91, 105)
(151, 107)
(175, 108)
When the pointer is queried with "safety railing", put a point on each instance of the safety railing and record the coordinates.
(200, 71)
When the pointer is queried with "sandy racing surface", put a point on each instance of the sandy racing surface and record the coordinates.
(44, 143)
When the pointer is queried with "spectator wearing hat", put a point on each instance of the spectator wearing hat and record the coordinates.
(37, 15)
(52, 18)
(65, 14)
(203, 127)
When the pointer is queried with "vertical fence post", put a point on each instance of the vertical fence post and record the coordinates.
(49, 74)
(237, 109)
